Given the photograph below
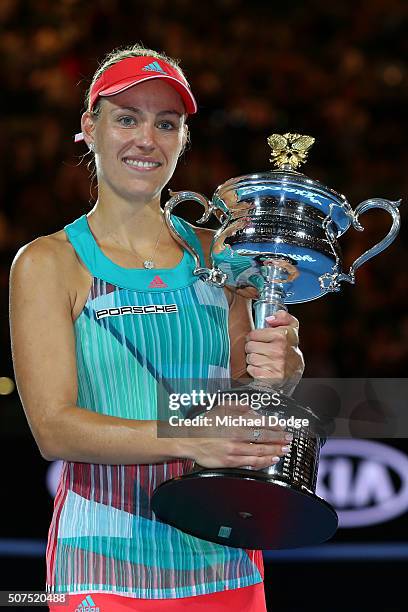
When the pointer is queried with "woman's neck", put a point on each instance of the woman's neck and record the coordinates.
(129, 228)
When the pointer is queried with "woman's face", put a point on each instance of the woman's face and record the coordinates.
(138, 137)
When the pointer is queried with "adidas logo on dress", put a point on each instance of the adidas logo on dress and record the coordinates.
(157, 283)
(87, 605)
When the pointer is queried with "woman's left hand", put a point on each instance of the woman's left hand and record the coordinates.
(273, 352)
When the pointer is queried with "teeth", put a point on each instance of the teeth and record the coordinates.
(140, 164)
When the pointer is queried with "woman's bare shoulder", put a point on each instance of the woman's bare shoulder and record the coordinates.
(55, 247)
(51, 261)
(52, 258)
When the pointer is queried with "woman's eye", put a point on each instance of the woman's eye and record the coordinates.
(126, 120)
(129, 121)
(166, 125)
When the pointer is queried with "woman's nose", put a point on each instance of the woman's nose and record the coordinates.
(145, 137)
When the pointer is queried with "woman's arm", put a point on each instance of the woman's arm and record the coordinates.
(43, 349)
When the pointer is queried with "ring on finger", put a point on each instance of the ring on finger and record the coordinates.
(256, 433)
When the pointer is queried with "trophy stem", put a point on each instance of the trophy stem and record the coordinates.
(276, 272)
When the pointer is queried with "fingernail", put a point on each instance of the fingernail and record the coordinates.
(289, 437)
(270, 318)
(275, 459)
(285, 449)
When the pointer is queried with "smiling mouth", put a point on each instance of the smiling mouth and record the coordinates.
(141, 165)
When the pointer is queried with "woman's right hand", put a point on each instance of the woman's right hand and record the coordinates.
(236, 446)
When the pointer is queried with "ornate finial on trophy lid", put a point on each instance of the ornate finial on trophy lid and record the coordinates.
(290, 150)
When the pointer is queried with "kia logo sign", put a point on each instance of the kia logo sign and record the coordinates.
(366, 482)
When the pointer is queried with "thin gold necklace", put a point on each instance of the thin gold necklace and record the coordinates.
(147, 263)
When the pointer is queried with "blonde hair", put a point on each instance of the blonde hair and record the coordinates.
(115, 56)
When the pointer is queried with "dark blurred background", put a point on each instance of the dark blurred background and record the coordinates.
(334, 69)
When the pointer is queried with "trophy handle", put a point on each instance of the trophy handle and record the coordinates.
(392, 208)
(213, 275)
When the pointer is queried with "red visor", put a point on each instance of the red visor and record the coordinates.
(133, 70)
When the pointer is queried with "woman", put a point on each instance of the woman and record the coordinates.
(87, 361)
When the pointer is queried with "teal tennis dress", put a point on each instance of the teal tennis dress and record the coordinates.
(139, 327)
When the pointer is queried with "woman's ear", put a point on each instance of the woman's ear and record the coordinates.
(88, 129)
(186, 135)
(185, 140)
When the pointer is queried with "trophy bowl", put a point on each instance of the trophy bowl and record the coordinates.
(278, 235)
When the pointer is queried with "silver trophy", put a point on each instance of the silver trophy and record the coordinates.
(278, 236)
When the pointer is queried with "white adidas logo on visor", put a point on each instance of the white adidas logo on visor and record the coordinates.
(154, 67)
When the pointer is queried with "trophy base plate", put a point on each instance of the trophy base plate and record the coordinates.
(240, 509)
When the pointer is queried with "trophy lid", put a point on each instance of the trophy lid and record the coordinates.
(288, 152)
